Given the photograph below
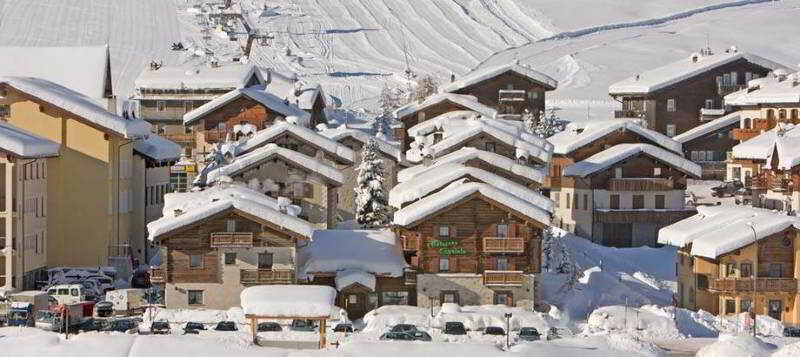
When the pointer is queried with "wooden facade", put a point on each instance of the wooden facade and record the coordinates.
(710, 151)
(357, 299)
(510, 93)
(218, 124)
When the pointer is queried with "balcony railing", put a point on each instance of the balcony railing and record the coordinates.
(232, 240)
(788, 285)
(640, 184)
(726, 89)
(745, 134)
(179, 138)
(215, 136)
(266, 276)
(158, 275)
(628, 114)
(411, 243)
(503, 245)
(780, 184)
(510, 95)
(410, 277)
(755, 182)
(503, 278)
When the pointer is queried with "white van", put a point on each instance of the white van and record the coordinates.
(67, 294)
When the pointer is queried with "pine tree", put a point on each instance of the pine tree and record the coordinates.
(426, 87)
(529, 121)
(548, 125)
(371, 203)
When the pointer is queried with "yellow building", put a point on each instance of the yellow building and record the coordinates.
(726, 251)
(90, 185)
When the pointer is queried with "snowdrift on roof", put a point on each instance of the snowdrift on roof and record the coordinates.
(579, 134)
(338, 150)
(467, 101)
(613, 155)
(371, 251)
(258, 94)
(25, 144)
(302, 301)
(465, 154)
(484, 74)
(242, 163)
(158, 148)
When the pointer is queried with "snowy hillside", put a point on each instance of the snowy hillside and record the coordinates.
(354, 47)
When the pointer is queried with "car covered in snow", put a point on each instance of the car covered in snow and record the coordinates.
(303, 325)
(396, 336)
(343, 328)
(529, 334)
(193, 328)
(226, 326)
(121, 325)
(160, 328)
(454, 328)
(404, 328)
(269, 327)
(494, 330)
(728, 188)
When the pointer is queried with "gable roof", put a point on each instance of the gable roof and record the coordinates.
(371, 251)
(342, 132)
(581, 133)
(227, 76)
(448, 174)
(271, 151)
(158, 148)
(24, 144)
(432, 204)
(466, 101)
(708, 128)
(257, 94)
(79, 105)
(339, 151)
(484, 74)
(617, 153)
(768, 90)
(717, 230)
(297, 92)
(786, 147)
(195, 207)
(465, 154)
(665, 76)
(761, 146)
(84, 69)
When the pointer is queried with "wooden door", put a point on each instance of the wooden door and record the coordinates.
(355, 304)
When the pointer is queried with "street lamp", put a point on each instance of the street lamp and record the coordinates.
(508, 330)
(755, 277)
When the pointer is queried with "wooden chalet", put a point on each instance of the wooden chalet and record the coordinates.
(708, 145)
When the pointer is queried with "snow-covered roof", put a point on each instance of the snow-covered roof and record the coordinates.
(771, 89)
(79, 105)
(466, 154)
(347, 278)
(665, 76)
(80, 68)
(186, 208)
(297, 92)
(342, 132)
(760, 147)
(786, 147)
(443, 199)
(226, 76)
(272, 151)
(371, 251)
(445, 174)
(617, 153)
(290, 301)
(581, 133)
(158, 148)
(484, 74)
(24, 144)
(708, 128)
(458, 130)
(716, 230)
(339, 151)
(466, 101)
(256, 93)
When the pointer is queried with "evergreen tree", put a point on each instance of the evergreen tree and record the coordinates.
(371, 202)
(529, 121)
(548, 125)
(426, 87)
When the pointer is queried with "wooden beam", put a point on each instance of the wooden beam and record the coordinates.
(254, 328)
(322, 334)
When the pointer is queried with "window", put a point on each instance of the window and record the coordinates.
(490, 147)
(734, 78)
(533, 95)
(709, 104)
(230, 225)
(746, 270)
(230, 258)
(449, 297)
(195, 261)
(444, 231)
(421, 116)
(702, 281)
(502, 230)
(188, 129)
(691, 295)
(671, 131)
(501, 263)
(670, 105)
(188, 106)
(221, 126)
(510, 86)
(726, 79)
(638, 201)
(444, 264)
(795, 114)
(74, 292)
(394, 298)
(745, 305)
(161, 105)
(730, 270)
(770, 114)
(5, 110)
(659, 201)
(503, 298)
(617, 172)
(775, 270)
(195, 297)
(265, 260)
(656, 171)
(782, 114)
(730, 306)
(575, 201)
(569, 200)
(613, 202)
(585, 202)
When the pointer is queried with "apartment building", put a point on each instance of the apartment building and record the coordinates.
(765, 102)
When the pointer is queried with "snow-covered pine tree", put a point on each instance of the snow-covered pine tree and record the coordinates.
(548, 125)
(426, 87)
(371, 202)
(529, 121)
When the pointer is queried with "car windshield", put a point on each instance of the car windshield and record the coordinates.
(18, 315)
(160, 324)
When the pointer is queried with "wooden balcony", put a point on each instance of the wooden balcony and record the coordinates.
(757, 182)
(510, 95)
(411, 243)
(215, 136)
(265, 276)
(745, 134)
(628, 114)
(640, 184)
(410, 277)
(779, 184)
(232, 240)
(503, 278)
(726, 89)
(158, 275)
(503, 245)
(733, 285)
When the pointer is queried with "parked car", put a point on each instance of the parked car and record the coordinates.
(92, 325)
(226, 326)
(122, 325)
(303, 325)
(420, 336)
(343, 328)
(728, 188)
(744, 196)
(269, 326)
(404, 328)
(193, 328)
(160, 328)
(104, 308)
(397, 336)
(791, 331)
(454, 328)
(529, 334)
(494, 330)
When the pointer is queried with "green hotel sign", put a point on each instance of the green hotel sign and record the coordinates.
(447, 247)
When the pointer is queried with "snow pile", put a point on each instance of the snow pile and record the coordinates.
(371, 251)
(602, 346)
(287, 87)
(385, 317)
(792, 350)
(620, 152)
(647, 322)
(23, 143)
(737, 345)
(203, 316)
(477, 318)
(631, 344)
(288, 300)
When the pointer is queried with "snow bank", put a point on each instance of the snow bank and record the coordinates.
(792, 350)
(479, 317)
(288, 300)
(387, 316)
(601, 346)
(370, 251)
(736, 345)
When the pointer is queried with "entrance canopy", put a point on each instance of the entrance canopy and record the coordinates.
(288, 301)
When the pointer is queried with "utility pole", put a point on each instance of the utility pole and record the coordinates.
(508, 330)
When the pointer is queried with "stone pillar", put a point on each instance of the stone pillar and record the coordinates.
(9, 224)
